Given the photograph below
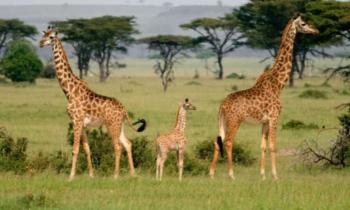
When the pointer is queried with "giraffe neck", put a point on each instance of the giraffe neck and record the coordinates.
(181, 120)
(64, 73)
(279, 73)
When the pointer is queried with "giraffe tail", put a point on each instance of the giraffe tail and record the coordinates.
(221, 145)
(139, 121)
(221, 136)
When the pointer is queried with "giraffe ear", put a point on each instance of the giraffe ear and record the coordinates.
(186, 100)
(49, 27)
(56, 33)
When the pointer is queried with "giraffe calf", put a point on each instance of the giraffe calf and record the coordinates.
(174, 140)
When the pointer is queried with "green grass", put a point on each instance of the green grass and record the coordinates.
(38, 112)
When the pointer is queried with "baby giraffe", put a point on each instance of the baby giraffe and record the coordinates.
(174, 140)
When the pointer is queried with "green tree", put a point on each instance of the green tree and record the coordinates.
(76, 33)
(221, 34)
(20, 62)
(170, 48)
(262, 23)
(110, 34)
(338, 25)
(12, 29)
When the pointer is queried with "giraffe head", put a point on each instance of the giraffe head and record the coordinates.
(48, 36)
(187, 105)
(302, 27)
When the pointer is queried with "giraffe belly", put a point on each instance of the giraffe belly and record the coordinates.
(256, 120)
(91, 121)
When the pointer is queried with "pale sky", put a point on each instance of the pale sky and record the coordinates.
(131, 2)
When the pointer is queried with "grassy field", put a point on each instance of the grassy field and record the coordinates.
(38, 112)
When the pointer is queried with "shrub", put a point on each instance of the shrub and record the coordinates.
(12, 153)
(338, 151)
(29, 201)
(102, 151)
(314, 94)
(234, 87)
(39, 163)
(204, 150)
(48, 71)
(196, 74)
(297, 124)
(193, 83)
(21, 63)
(235, 76)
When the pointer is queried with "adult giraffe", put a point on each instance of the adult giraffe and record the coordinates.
(87, 108)
(261, 103)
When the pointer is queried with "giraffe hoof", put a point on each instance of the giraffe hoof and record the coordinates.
(91, 175)
(231, 177)
(275, 177)
(116, 176)
(263, 177)
(71, 178)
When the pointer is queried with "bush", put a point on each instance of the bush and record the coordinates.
(30, 201)
(297, 124)
(193, 83)
(204, 150)
(102, 153)
(12, 153)
(338, 151)
(21, 63)
(49, 71)
(315, 94)
(235, 76)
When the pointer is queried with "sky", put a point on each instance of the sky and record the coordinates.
(131, 2)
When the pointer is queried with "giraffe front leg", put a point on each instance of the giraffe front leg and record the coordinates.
(214, 161)
(180, 162)
(272, 138)
(162, 161)
(265, 132)
(158, 166)
(88, 153)
(118, 152)
(78, 126)
(127, 145)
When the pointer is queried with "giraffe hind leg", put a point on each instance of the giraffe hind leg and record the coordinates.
(265, 132)
(88, 153)
(127, 145)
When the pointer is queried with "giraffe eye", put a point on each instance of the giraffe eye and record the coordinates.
(303, 24)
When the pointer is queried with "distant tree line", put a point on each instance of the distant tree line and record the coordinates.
(257, 24)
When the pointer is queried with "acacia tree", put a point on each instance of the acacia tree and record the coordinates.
(76, 33)
(110, 34)
(221, 34)
(338, 25)
(170, 47)
(12, 29)
(262, 23)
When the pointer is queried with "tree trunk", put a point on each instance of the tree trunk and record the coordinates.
(291, 77)
(102, 72)
(221, 69)
(165, 84)
(81, 75)
(302, 66)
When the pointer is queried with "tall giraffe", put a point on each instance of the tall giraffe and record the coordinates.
(87, 108)
(260, 103)
(174, 140)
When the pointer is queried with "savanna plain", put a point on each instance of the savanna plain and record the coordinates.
(38, 112)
